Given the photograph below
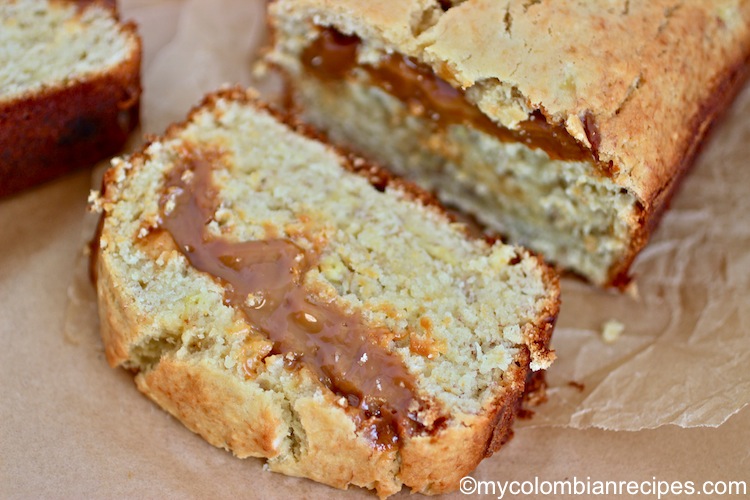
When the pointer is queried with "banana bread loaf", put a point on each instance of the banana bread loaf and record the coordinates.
(563, 124)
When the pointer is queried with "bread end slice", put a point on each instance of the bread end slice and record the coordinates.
(70, 87)
(288, 301)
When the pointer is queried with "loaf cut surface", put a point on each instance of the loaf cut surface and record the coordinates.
(564, 124)
(287, 301)
(69, 87)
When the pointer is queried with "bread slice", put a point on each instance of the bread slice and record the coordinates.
(287, 301)
(69, 87)
(563, 124)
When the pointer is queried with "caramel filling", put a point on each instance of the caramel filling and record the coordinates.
(334, 56)
(263, 280)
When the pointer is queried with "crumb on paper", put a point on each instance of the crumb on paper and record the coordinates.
(611, 330)
(95, 202)
(632, 291)
(577, 386)
(535, 394)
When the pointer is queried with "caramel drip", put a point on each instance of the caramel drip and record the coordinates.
(334, 56)
(262, 279)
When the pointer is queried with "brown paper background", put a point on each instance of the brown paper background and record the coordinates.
(71, 426)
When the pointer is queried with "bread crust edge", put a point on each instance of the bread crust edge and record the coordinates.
(61, 128)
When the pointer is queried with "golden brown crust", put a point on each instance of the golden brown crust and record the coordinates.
(50, 132)
(638, 83)
(434, 465)
(216, 406)
(539, 336)
(711, 109)
(350, 461)
(249, 420)
(219, 409)
(590, 67)
(117, 329)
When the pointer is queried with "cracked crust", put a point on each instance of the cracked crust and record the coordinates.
(637, 82)
(286, 416)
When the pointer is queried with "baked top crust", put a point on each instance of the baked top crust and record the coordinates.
(635, 81)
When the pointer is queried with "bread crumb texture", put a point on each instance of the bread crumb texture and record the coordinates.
(48, 43)
(466, 317)
(611, 331)
(577, 218)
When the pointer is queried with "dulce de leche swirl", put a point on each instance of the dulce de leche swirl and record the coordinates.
(333, 56)
(262, 279)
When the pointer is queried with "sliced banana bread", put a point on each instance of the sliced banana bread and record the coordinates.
(69, 87)
(288, 301)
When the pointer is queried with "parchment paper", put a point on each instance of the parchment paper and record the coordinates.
(684, 355)
(71, 427)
